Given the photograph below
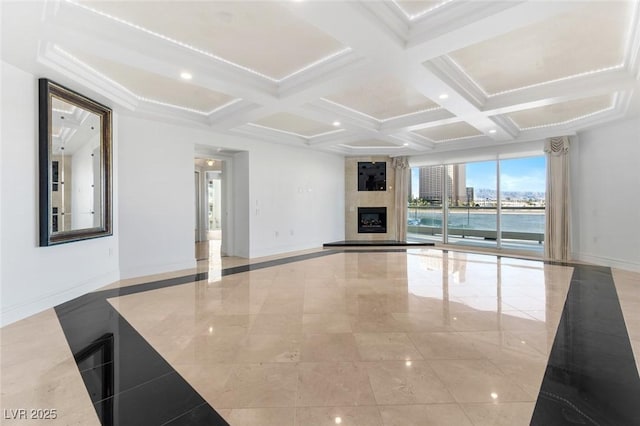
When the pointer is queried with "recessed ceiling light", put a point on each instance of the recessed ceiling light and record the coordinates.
(492, 131)
(443, 96)
(185, 75)
(210, 163)
(338, 420)
(336, 123)
(405, 144)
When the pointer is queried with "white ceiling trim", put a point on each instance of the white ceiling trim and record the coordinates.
(599, 112)
(465, 76)
(142, 98)
(632, 40)
(381, 120)
(373, 48)
(66, 66)
(211, 55)
(259, 132)
(413, 139)
(413, 17)
(458, 139)
(306, 137)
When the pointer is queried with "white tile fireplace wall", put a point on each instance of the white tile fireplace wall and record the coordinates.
(355, 199)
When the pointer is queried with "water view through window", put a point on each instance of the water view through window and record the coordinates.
(469, 196)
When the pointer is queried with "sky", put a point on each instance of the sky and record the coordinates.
(520, 174)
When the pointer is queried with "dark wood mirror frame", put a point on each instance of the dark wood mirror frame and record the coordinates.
(47, 91)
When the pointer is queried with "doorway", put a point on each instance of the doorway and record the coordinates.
(209, 208)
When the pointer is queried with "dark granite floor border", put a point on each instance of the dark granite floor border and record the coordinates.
(591, 377)
(381, 243)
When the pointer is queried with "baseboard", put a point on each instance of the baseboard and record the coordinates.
(607, 261)
(34, 306)
(160, 268)
(274, 251)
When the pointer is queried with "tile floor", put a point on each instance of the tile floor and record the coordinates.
(359, 337)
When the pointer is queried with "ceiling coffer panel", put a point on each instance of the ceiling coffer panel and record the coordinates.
(263, 36)
(591, 36)
(561, 112)
(383, 98)
(156, 87)
(447, 132)
(291, 123)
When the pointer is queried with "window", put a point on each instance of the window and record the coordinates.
(487, 204)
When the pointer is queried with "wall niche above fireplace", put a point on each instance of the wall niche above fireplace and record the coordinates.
(372, 220)
(372, 176)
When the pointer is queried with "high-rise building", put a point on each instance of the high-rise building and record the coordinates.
(430, 183)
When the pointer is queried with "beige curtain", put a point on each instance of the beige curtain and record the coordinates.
(401, 168)
(556, 233)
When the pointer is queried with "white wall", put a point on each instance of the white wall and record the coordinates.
(241, 222)
(34, 278)
(294, 192)
(157, 216)
(605, 177)
(296, 199)
(284, 199)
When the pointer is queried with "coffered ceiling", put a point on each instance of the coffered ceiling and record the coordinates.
(394, 77)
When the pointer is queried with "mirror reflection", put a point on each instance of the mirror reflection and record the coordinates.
(75, 167)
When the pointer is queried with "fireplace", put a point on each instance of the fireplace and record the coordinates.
(372, 220)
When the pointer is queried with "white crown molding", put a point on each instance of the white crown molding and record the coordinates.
(237, 106)
(381, 39)
(345, 115)
(408, 121)
(414, 139)
(271, 135)
(448, 71)
(122, 23)
(389, 15)
(326, 70)
(74, 26)
(632, 52)
(451, 16)
(49, 57)
(506, 125)
(561, 91)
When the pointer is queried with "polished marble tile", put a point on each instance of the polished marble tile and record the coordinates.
(259, 386)
(478, 381)
(329, 347)
(279, 416)
(371, 323)
(155, 402)
(333, 384)
(326, 323)
(591, 375)
(344, 416)
(257, 348)
(421, 414)
(501, 414)
(406, 382)
(37, 371)
(322, 336)
(386, 346)
(289, 323)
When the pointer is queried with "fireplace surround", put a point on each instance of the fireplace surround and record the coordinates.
(372, 220)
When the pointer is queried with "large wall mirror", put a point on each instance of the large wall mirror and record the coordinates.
(75, 166)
